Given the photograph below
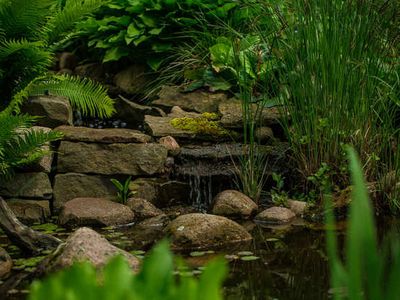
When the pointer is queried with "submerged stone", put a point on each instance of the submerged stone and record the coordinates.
(202, 231)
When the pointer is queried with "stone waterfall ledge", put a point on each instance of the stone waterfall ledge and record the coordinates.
(110, 159)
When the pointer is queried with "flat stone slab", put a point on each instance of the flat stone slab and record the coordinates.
(110, 159)
(232, 116)
(74, 185)
(276, 215)
(198, 101)
(27, 185)
(94, 212)
(202, 231)
(161, 126)
(107, 136)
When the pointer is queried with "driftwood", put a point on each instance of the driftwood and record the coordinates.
(23, 236)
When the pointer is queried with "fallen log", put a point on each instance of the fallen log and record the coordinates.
(23, 236)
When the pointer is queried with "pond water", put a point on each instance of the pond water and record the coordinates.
(289, 261)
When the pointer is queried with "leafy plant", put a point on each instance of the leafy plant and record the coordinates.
(123, 193)
(20, 145)
(278, 196)
(29, 35)
(116, 281)
(368, 272)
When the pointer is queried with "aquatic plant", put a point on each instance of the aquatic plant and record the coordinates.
(116, 281)
(368, 272)
(124, 192)
(338, 87)
(30, 32)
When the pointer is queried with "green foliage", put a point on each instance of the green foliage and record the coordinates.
(124, 192)
(126, 28)
(117, 282)
(369, 272)
(338, 86)
(30, 31)
(278, 196)
(19, 144)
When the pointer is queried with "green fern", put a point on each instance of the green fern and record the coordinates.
(19, 144)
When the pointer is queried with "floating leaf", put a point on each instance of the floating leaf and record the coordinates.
(245, 253)
(249, 258)
(197, 253)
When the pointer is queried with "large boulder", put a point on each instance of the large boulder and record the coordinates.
(28, 186)
(133, 79)
(143, 209)
(110, 159)
(275, 215)
(106, 136)
(232, 116)
(231, 203)
(30, 211)
(203, 231)
(87, 245)
(73, 185)
(5, 263)
(55, 111)
(198, 101)
(94, 212)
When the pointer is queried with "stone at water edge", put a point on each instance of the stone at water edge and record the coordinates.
(143, 209)
(298, 207)
(5, 263)
(86, 244)
(74, 185)
(203, 231)
(276, 215)
(30, 211)
(171, 144)
(231, 203)
(94, 212)
(27, 185)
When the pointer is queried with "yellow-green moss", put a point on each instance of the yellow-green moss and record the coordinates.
(205, 124)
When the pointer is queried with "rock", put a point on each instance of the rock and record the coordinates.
(133, 79)
(94, 212)
(65, 72)
(231, 203)
(161, 126)
(110, 159)
(276, 215)
(203, 231)
(73, 185)
(54, 111)
(143, 209)
(177, 112)
(171, 144)
(298, 207)
(27, 185)
(147, 232)
(264, 134)
(134, 113)
(232, 116)
(106, 136)
(5, 263)
(161, 192)
(45, 163)
(68, 60)
(94, 71)
(87, 245)
(198, 101)
(30, 211)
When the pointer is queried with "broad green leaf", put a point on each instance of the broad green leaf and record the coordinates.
(115, 54)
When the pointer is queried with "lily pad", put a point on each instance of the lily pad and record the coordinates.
(249, 258)
(245, 253)
(197, 253)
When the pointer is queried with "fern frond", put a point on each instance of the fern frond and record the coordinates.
(74, 10)
(24, 18)
(85, 95)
